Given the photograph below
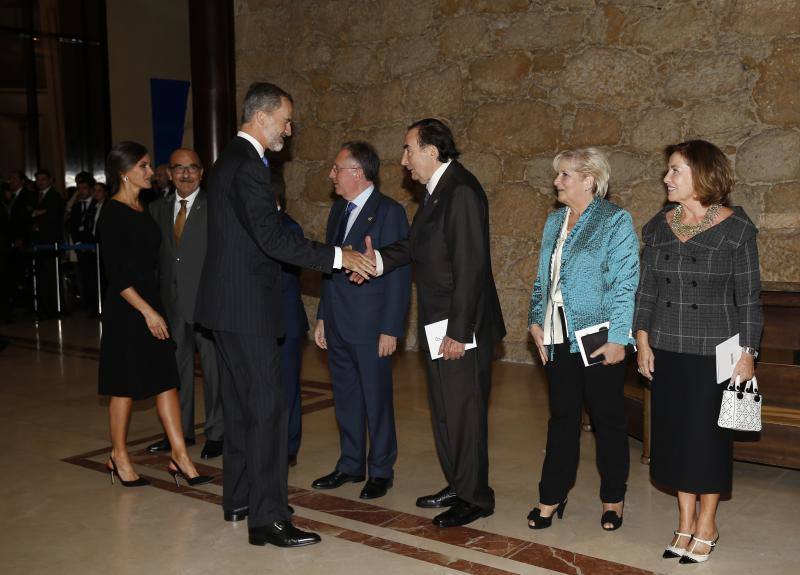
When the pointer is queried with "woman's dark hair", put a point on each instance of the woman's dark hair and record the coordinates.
(433, 132)
(711, 171)
(122, 157)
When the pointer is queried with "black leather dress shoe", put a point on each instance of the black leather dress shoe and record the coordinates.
(162, 446)
(444, 498)
(336, 479)
(292, 460)
(237, 514)
(211, 449)
(240, 513)
(376, 487)
(282, 534)
(461, 514)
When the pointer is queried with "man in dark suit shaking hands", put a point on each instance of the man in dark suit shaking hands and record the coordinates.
(239, 299)
(449, 243)
(359, 324)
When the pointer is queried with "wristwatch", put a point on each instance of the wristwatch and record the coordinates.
(751, 351)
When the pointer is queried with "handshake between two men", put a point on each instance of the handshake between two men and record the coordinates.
(362, 266)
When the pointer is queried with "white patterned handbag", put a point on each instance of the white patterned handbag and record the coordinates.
(741, 409)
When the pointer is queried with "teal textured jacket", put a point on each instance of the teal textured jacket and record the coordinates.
(599, 271)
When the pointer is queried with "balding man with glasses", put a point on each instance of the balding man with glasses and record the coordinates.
(183, 220)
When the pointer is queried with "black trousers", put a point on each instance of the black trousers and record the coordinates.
(255, 472)
(601, 386)
(291, 363)
(458, 391)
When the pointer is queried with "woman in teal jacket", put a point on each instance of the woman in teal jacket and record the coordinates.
(587, 275)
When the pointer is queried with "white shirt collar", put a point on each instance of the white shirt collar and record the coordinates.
(256, 144)
(437, 175)
(189, 201)
(362, 198)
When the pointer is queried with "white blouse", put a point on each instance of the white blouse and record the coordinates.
(553, 332)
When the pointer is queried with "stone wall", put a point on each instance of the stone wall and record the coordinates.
(519, 80)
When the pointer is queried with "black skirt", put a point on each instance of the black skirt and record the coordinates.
(688, 452)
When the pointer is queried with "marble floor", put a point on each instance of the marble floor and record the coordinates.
(60, 514)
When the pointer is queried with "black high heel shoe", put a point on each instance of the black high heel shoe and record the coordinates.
(540, 522)
(191, 481)
(612, 517)
(140, 482)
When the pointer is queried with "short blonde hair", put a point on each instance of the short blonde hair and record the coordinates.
(590, 162)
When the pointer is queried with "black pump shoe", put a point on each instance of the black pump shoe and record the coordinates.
(540, 522)
(140, 482)
(191, 481)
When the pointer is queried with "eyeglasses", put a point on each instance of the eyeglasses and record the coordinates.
(179, 169)
(336, 169)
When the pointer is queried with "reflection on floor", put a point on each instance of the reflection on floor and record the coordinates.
(60, 513)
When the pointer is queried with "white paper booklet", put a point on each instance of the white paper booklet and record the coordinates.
(435, 333)
(579, 335)
(728, 354)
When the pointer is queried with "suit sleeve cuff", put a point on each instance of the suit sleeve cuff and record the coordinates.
(378, 264)
(337, 258)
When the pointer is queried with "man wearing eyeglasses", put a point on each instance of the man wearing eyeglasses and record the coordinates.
(359, 325)
(182, 219)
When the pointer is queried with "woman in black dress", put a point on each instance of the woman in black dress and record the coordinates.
(699, 286)
(137, 356)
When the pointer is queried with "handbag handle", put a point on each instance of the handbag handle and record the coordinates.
(752, 384)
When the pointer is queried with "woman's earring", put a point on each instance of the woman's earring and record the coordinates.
(124, 178)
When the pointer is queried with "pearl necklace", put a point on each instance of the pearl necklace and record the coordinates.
(687, 230)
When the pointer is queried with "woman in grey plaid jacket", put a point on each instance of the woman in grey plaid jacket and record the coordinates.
(699, 286)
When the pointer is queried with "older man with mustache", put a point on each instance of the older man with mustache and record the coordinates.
(183, 221)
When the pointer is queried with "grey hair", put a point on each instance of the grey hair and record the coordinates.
(589, 162)
(262, 97)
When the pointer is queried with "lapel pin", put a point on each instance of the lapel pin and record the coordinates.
(369, 219)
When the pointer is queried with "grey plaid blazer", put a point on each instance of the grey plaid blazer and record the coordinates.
(695, 295)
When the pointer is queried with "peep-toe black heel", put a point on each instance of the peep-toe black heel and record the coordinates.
(540, 522)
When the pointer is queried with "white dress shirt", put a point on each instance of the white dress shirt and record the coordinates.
(189, 201)
(429, 187)
(337, 251)
(360, 200)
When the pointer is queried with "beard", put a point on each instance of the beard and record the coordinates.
(276, 143)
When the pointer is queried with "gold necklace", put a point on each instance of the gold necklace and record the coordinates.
(687, 230)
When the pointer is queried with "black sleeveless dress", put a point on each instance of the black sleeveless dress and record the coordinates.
(133, 363)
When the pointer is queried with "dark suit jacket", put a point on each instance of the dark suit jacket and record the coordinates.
(179, 267)
(295, 320)
(19, 216)
(81, 221)
(49, 226)
(449, 243)
(239, 288)
(361, 312)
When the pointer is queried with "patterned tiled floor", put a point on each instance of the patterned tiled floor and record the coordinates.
(59, 512)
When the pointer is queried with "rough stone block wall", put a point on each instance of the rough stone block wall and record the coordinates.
(518, 80)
